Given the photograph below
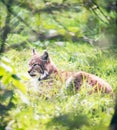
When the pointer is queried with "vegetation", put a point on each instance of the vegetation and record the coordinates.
(79, 35)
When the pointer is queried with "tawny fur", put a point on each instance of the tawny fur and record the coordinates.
(43, 65)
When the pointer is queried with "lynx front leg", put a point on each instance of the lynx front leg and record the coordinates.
(73, 84)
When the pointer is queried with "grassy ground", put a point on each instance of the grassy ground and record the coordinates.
(49, 108)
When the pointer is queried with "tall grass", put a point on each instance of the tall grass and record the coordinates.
(49, 108)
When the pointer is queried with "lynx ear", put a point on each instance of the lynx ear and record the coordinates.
(34, 51)
(45, 56)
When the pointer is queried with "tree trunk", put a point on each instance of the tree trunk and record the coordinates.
(6, 28)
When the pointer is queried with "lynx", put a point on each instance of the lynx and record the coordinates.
(42, 67)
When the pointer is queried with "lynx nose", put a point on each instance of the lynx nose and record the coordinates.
(29, 71)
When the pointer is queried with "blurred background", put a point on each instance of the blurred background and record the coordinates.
(39, 22)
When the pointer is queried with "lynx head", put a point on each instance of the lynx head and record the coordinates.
(41, 66)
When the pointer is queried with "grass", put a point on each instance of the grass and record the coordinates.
(49, 108)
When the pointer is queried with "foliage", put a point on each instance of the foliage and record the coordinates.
(32, 21)
(8, 76)
(9, 81)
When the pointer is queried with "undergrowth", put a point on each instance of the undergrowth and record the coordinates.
(49, 108)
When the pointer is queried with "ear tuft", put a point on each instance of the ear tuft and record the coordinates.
(45, 56)
(34, 52)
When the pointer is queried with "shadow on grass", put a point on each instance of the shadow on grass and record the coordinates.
(5, 105)
(69, 121)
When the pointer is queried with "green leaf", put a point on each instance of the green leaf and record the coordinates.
(19, 85)
(2, 71)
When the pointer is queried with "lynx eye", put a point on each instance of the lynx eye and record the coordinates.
(35, 64)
